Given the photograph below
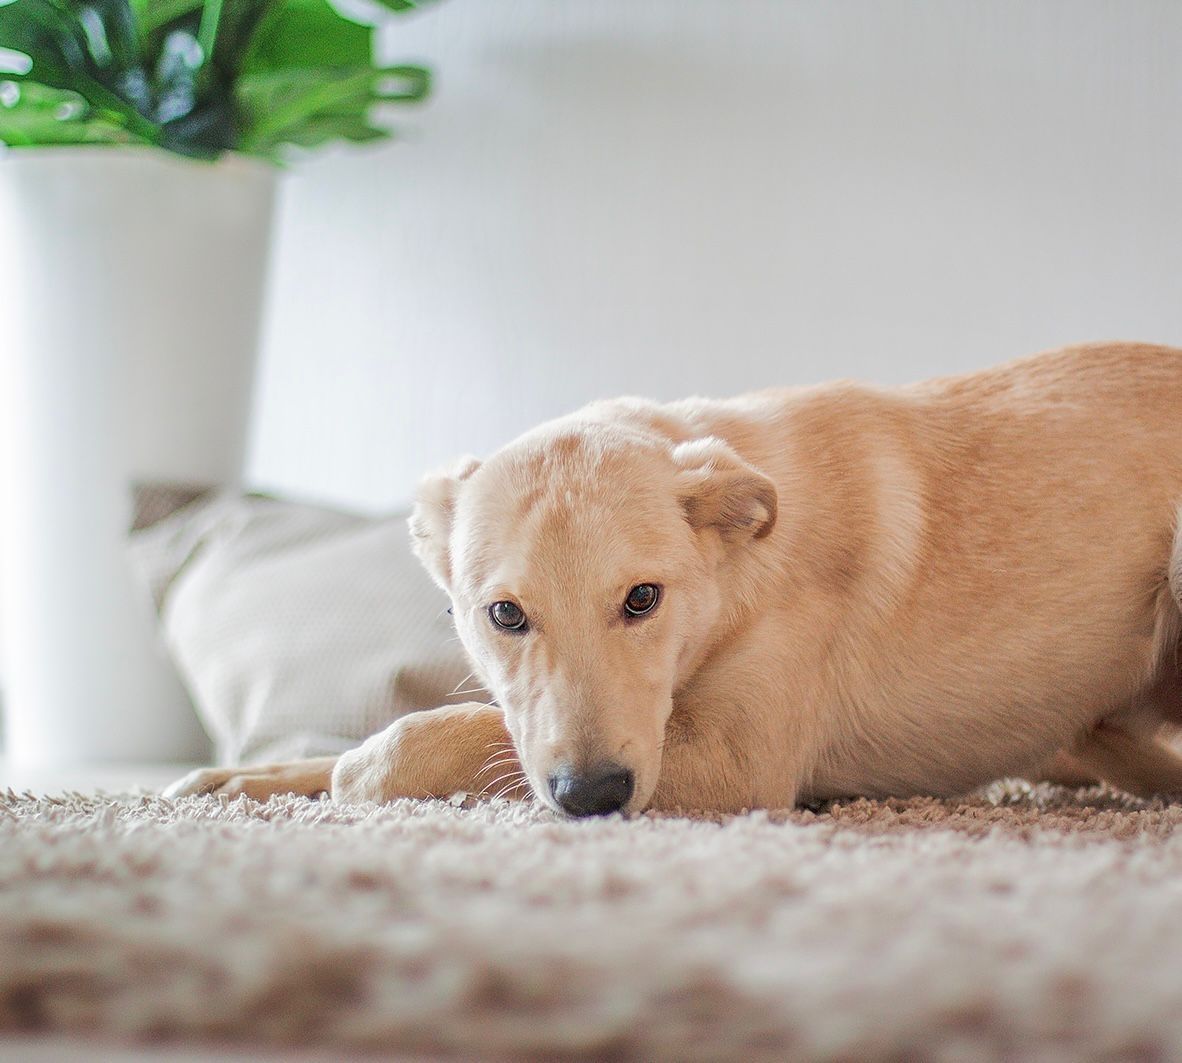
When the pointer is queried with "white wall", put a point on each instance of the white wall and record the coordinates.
(683, 196)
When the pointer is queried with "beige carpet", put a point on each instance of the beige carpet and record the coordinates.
(1020, 924)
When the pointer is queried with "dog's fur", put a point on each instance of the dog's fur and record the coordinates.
(865, 591)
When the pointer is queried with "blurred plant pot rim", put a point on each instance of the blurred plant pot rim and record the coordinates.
(229, 162)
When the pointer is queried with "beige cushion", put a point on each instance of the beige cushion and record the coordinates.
(298, 630)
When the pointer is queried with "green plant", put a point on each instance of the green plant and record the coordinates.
(196, 77)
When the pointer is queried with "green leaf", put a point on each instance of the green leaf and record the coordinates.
(309, 78)
(323, 129)
(48, 35)
(33, 114)
(277, 106)
(200, 77)
(85, 52)
(299, 34)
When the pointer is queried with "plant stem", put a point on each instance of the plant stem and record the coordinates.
(207, 34)
(156, 16)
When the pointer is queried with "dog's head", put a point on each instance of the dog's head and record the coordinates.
(588, 568)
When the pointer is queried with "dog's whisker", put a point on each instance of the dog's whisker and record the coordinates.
(496, 753)
(456, 690)
(496, 764)
(498, 749)
(511, 786)
(504, 773)
(510, 778)
(502, 780)
(485, 791)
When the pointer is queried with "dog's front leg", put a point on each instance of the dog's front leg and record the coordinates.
(305, 778)
(433, 754)
(721, 766)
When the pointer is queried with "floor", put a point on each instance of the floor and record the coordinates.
(1020, 923)
(82, 1050)
(121, 778)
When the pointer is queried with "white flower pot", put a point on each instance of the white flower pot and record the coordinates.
(131, 285)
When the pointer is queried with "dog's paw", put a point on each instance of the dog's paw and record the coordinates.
(232, 782)
(457, 748)
(408, 759)
(201, 781)
(370, 772)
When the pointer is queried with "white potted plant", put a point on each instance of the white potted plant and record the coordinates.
(142, 138)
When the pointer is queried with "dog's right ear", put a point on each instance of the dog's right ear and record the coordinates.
(431, 519)
(719, 490)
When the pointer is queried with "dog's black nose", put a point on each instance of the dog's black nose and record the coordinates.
(595, 792)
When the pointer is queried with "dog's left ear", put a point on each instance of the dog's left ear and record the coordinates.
(431, 519)
(719, 490)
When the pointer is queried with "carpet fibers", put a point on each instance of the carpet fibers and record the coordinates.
(1021, 923)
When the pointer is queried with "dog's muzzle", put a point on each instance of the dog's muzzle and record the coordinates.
(598, 791)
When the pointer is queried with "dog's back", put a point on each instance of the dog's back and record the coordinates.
(983, 556)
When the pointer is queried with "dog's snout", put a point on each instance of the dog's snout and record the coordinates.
(596, 792)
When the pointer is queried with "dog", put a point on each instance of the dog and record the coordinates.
(806, 594)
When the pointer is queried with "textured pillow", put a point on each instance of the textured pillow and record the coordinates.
(298, 630)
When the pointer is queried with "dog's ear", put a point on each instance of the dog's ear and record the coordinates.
(719, 490)
(431, 519)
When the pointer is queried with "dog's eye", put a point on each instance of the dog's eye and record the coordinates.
(507, 615)
(642, 599)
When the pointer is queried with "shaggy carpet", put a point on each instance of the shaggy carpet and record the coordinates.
(1021, 923)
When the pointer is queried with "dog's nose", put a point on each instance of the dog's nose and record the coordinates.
(595, 792)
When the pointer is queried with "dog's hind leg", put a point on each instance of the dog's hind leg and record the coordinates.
(1127, 750)
(1174, 572)
(1137, 764)
(1129, 753)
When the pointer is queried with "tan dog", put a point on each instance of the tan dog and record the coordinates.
(805, 594)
